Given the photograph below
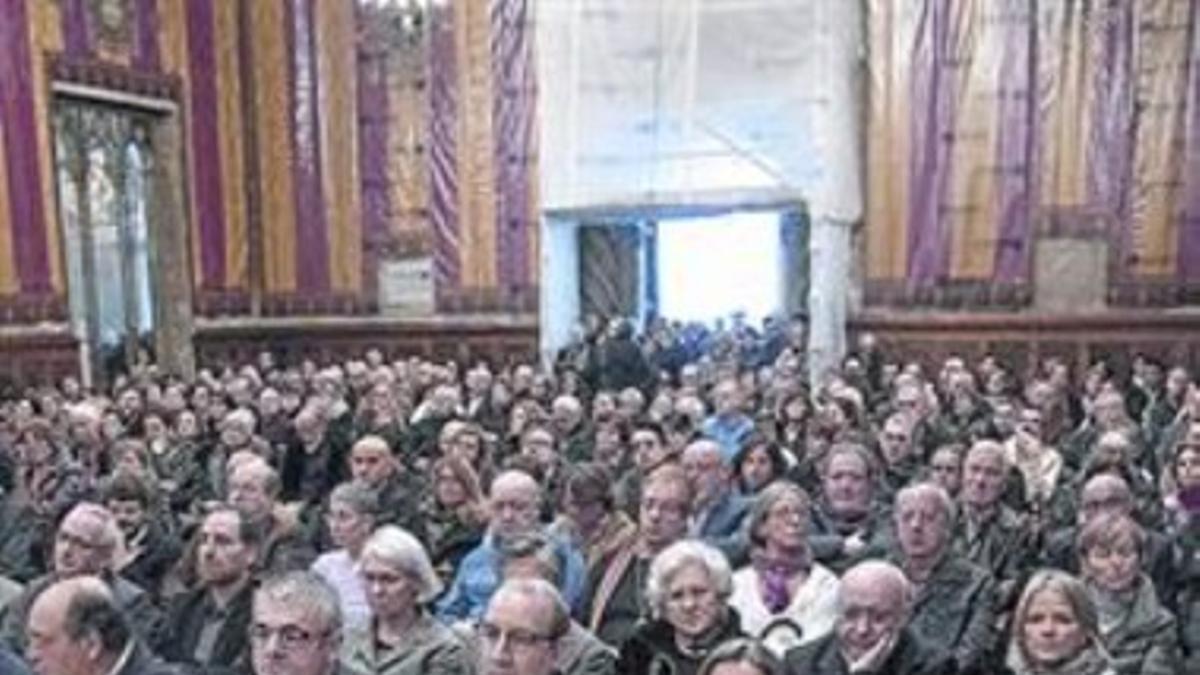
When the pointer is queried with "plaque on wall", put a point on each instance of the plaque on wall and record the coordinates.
(406, 286)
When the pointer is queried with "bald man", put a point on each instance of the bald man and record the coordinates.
(515, 500)
(77, 627)
(871, 633)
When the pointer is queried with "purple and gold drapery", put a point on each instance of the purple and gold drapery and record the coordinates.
(993, 122)
(294, 142)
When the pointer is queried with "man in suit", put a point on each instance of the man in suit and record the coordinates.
(77, 627)
(871, 634)
(84, 545)
(208, 625)
(717, 513)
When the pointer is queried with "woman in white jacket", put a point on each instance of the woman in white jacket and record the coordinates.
(783, 597)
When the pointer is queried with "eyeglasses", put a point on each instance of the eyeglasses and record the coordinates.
(518, 639)
(290, 636)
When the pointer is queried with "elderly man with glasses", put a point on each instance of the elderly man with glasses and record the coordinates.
(84, 545)
(521, 629)
(515, 499)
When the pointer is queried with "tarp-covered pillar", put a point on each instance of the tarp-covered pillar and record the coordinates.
(836, 205)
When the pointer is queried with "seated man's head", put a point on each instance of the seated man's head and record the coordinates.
(227, 548)
(1104, 494)
(587, 496)
(985, 472)
(296, 626)
(86, 541)
(848, 480)
(702, 460)
(515, 500)
(76, 627)
(875, 602)
(371, 461)
(923, 515)
(128, 498)
(237, 428)
(895, 439)
(253, 487)
(666, 502)
(520, 631)
(566, 412)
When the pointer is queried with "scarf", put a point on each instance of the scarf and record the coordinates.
(776, 575)
(1091, 661)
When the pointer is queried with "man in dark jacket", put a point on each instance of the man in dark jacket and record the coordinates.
(150, 550)
(84, 545)
(209, 625)
(953, 608)
(621, 361)
(871, 634)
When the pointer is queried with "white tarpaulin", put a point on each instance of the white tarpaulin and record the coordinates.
(645, 101)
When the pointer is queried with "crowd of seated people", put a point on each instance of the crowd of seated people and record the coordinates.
(677, 502)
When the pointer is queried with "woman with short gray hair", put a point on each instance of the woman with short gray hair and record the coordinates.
(784, 597)
(402, 637)
(353, 508)
(688, 589)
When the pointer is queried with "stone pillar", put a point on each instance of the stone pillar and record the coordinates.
(836, 201)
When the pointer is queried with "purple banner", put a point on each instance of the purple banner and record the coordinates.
(145, 49)
(443, 146)
(312, 234)
(373, 138)
(514, 107)
(1189, 228)
(1014, 145)
(27, 219)
(206, 146)
(1109, 150)
(932, 121)
(77, 40)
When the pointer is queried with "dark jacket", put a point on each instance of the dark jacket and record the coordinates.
(909, 657)
(143, 662)
(954, 612)
(185, 621)
(158, 553)
(828, 535)
(652, 649)
(1002, 546)
(582, 653)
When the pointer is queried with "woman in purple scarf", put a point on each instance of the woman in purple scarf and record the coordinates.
(784, 597)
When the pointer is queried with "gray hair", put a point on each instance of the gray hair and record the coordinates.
(543, 591)
(929, 489)
(306, 590)
(679, 556)
(768, 498)
(397, 548)
(360, 498)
